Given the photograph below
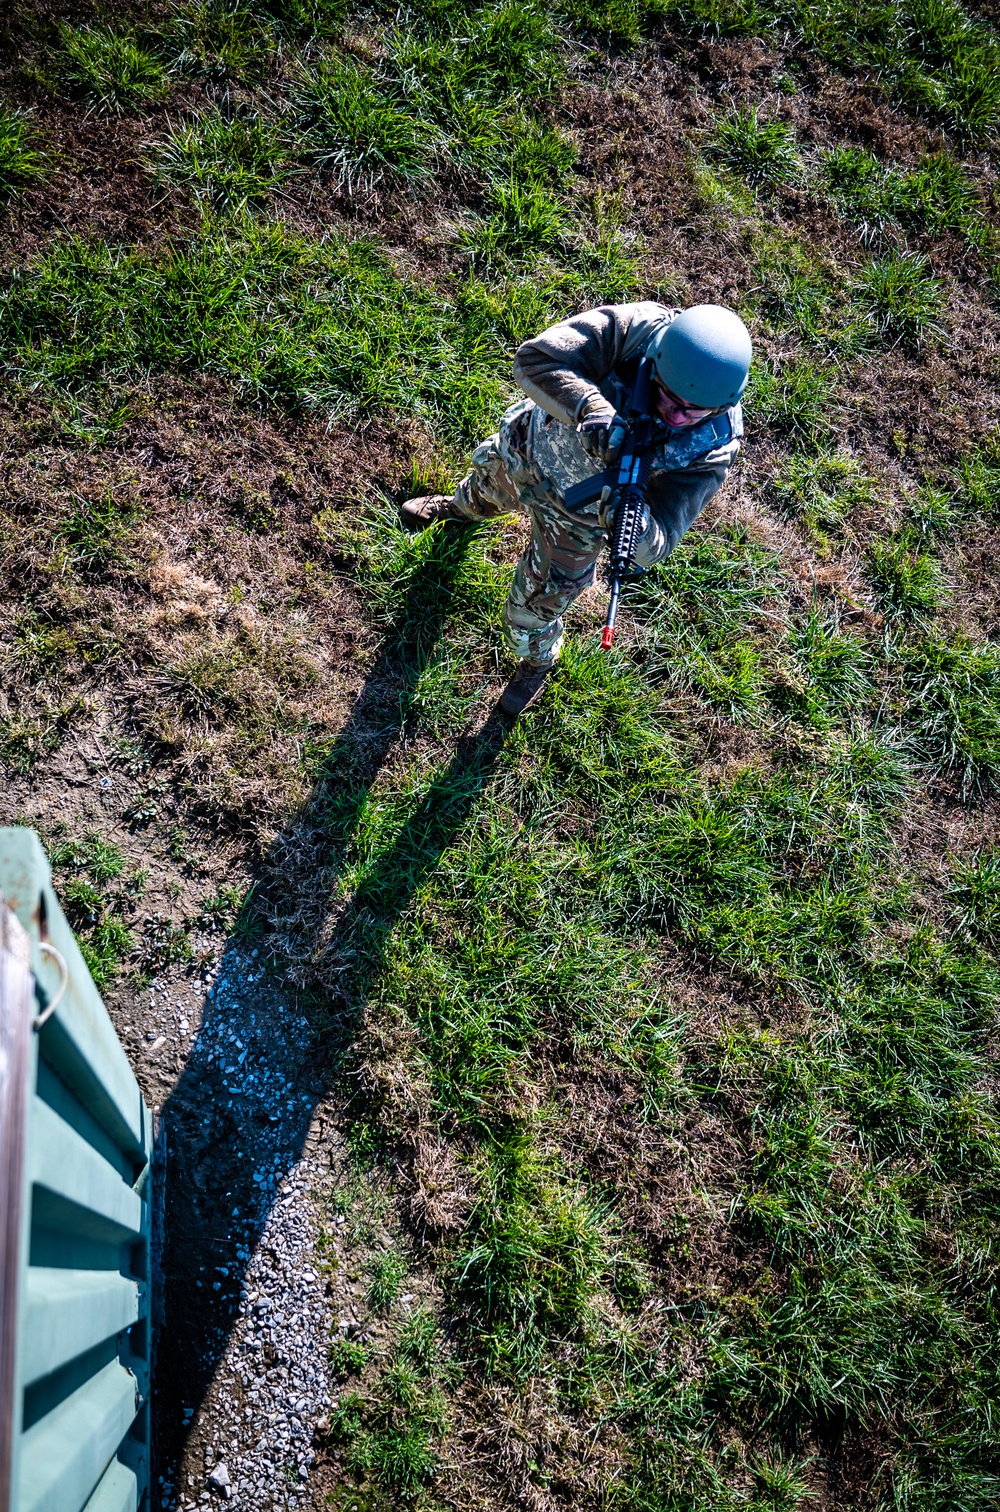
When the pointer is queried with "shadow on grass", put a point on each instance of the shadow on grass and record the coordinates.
(239, 1115)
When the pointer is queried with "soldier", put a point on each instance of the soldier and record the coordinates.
(577, 376)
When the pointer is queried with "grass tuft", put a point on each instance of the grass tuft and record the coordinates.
(98, 536)
(238, 40)
(526, 219)
(84, 868)
(929, 55)
(974, 894)
(22, 163)
(979, 474)
(387, 1275)
(306, 19)
(346, 1357)
(762, 153)
(908, 580)
(108, 70)
(936, 196)
(534, 1257)
(227, 160)
(353, 129)
(793, 400)
(616, 23)
(901, 299)
(219, 40)
(826, 678)
(952, 688)
(390, 1431)
(821, 489)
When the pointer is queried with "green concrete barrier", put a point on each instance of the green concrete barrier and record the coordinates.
(76, 1145)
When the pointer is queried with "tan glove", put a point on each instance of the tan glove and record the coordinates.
(602, 431)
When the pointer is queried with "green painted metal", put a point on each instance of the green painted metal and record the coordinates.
(76, 1144)
(118, 1491)
(70, 1312)
(65, 1454)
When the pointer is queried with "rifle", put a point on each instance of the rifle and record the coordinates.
(630, 478)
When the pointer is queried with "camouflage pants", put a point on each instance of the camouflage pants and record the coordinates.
(526, 468)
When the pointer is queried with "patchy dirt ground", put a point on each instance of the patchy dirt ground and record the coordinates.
(180, 673)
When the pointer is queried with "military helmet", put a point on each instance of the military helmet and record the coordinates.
(703, 356)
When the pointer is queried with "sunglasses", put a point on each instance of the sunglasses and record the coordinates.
(690, 411)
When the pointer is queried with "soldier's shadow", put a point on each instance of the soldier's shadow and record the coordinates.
(237, 1120)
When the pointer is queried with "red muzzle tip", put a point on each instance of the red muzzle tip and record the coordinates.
(608, 638)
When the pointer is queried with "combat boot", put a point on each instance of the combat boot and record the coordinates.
(418, 514)
(525, 687)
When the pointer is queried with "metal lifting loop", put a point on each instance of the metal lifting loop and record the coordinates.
(50, 950)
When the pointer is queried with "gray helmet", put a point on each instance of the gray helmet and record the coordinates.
(703, 356)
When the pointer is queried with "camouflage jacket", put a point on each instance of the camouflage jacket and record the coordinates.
(598, 351)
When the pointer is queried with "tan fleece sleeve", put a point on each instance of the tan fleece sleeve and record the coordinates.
(562, 368)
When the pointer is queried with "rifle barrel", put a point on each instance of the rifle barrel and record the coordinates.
(608, 638)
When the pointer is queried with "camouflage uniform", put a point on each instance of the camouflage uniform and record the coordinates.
(537, 455)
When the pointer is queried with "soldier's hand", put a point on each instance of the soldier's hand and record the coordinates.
(602, 432)
(606, 506)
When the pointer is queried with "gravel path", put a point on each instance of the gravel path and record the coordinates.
(250, 1164)
(256, 1428)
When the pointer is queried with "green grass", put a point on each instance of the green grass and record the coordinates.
(534, 1257)
(975, 897)
(825, 676)
(83, 869)
(821, 489)
(618, 23)
(494, 54)
(700, 614)
(22, 163)
(391, 1430)
(908, 581)
(109, 70)
(346, 1358)
(979, 478)
(328, 326)
(934, 512)
(238, 40)
(524, 221)
(936, 196)
(98, 536)
(901, 299)
(931, 56)
(100, 859)
(790, 881)
(307, 20)
(356, 131)
(793, 400)
(762, 153)
(219, 39)
(800, 299)
(953, 707)
(895, 297)
(316, 325)
(227, 160)
(386, 1279)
